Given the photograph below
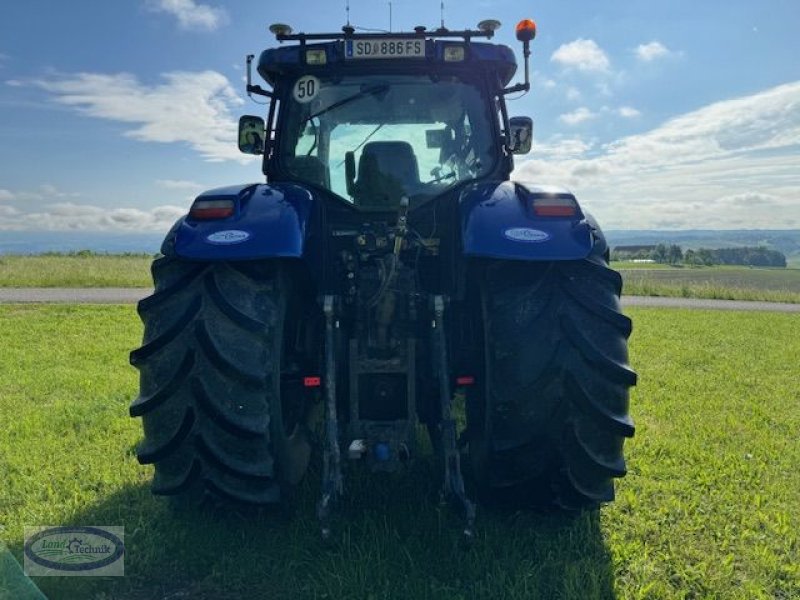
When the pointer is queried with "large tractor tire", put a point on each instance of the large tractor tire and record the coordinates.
(548, 423)
(221, 402)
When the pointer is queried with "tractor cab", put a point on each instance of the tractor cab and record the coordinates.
(373, 118)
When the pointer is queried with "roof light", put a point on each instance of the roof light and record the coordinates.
(489, 26)
(555, 206)
(278, 29)
(316, 56)
(526, 30)
(453, 53)
(206, 210)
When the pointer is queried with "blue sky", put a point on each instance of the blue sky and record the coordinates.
(658, 114)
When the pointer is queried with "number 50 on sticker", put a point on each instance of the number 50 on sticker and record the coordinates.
(305, 89)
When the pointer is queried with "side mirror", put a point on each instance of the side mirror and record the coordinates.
(252, 132)
(520, 134)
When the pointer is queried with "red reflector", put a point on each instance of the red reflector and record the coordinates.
(465, 380)
(211, 209)
(210, 213)
(554, 207)
(547, 210)
(312, 381)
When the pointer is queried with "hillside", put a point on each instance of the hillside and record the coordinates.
(786, 241)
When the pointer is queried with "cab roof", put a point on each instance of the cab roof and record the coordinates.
(291, 60)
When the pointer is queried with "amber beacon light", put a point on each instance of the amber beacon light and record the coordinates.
(526, 30)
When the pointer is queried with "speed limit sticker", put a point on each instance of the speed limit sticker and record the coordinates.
(305, 89)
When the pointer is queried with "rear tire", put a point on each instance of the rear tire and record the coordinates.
(214, 385)
(549, 422)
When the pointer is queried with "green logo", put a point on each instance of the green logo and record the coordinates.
(74, 550)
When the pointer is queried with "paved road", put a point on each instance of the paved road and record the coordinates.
(131, 295)
(74, 295)
(713, 304)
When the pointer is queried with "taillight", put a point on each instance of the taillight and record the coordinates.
(211, 209)
(311, 382)
(554, 206)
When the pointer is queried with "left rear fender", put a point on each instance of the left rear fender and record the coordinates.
(270, 220)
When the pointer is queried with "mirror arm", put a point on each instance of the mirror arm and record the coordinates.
(526, 86)
(520, 87)
(254, 89)
(258, 90)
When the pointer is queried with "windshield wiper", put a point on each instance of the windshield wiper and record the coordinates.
(370, 91)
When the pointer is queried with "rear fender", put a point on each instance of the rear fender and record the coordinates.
(498, 221)
(268, 221)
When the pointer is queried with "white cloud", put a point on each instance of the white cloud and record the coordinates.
(628, 112)
(45, 192)
(560, 148)
(696, 170)
(751, 200)
(651, 51)
(548, 84)
(603, 89)
(583, 55)
(577, 116)
(191, 15)
(190, 107)
(178, 184)
(573, 94)
(68, 216)
(48, 190)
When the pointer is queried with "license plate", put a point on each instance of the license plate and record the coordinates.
(385, 48)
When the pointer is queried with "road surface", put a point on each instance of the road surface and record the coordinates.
(132, 295)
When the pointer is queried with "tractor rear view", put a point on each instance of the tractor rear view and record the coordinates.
(387, 269)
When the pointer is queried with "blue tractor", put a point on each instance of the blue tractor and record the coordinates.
(388, 275)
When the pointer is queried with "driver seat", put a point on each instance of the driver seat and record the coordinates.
(386, 172)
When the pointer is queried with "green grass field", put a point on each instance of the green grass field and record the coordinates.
(78, 270)
(709, 509)
(725, 283)
(728, 283)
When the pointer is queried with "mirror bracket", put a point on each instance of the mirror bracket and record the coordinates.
(254, 89)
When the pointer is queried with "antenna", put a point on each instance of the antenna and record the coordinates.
(442, 14)
(390, 15)
(347, 11)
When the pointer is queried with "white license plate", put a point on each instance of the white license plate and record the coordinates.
(385, 48)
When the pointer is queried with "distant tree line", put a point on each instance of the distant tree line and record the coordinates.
(672, 254)
(750, 256)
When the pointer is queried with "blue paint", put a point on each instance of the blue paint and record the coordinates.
(274, 217)
(494, 213)
(381, 451)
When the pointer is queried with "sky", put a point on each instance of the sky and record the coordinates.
(664, 114)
